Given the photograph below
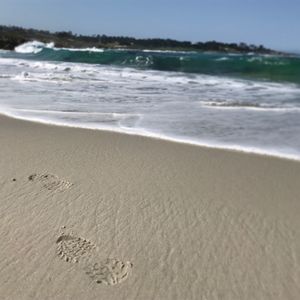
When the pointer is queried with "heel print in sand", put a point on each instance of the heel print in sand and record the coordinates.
(50, 182)
(110, 271)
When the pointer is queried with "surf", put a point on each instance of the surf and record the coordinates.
(248, 66)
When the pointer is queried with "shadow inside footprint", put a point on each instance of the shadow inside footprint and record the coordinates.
(65, 238)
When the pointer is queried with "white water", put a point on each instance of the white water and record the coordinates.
(33, 47)
(36, 47)
(260, 117)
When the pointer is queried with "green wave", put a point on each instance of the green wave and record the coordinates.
(274, 68)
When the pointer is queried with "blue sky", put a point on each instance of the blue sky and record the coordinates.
(273, 23)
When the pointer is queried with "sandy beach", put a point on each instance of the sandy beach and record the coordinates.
(89, 214)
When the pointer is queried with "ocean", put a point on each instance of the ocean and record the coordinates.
(246, 102)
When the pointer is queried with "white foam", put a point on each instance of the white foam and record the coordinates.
(292, 155)
(246, 106)
(113, 115)
(222, 59)
(47, 77)
(36, 47)
(158, 76)
(167, 51)
(93, 49)
(33, 47)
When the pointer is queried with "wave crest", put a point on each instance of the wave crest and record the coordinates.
(33, 47)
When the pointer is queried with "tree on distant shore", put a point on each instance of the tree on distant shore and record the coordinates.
(12, 36)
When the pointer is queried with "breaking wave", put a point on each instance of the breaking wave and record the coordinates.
(253, 66)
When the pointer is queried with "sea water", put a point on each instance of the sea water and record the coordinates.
(246, 102)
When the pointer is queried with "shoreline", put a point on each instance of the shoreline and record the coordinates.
(88, 213)
(156, 136)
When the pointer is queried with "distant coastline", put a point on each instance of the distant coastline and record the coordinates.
(12, 36)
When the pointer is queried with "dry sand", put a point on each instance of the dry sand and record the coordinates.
(96, 215)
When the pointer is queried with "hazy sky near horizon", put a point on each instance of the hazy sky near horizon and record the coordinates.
(273, 23)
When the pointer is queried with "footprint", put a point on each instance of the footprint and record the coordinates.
(50, 182)
(110, 271)
(74, 249)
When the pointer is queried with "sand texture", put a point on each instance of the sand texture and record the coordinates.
(86, 214)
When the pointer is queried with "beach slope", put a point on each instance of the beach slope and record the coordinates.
(88, 214)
